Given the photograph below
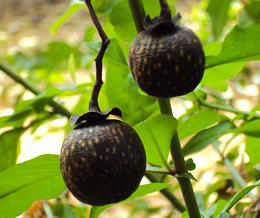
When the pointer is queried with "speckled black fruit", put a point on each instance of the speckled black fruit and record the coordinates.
(102, 162)
(167, 60)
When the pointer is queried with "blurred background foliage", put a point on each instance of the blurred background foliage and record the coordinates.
(52, 46)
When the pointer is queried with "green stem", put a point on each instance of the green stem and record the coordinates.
(175, 201)
(224, 108)
(176, 151)
(58, 108)
(138, 13)
(180, 166)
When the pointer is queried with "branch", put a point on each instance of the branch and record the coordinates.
(58, 108)
(138, 13)
(224, 108)
(180, 166)
(93, 105)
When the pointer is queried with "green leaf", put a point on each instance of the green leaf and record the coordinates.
(234, 172)
(122, 91)
(212, 48)
(9, 147)
(186, 176)
(206, 137)
(190, 165)
(72, 9)
(237, 197)
(216, 77)
(251, 128)
(103, 6)
(214, 210)
(197, 122)
(252, 145)
(141, 191)
(241, 44)
(223, 215)
(122, 21)
(36, 179)
(156, 134)
(218, 12)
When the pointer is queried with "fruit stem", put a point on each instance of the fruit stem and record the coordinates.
(179, 163)
(93, 105)
(58, 108)
(165, 9)
(138, 13)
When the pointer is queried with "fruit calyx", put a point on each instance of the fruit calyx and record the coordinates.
(95, 116)
(162, 20)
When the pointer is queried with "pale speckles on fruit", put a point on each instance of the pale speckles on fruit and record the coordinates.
(113, 150)
(180, 47)
(109, 159)
(96, 140)
(117, 139)
(181, 51)
(145, 61)
(83, 159)
(177, 68)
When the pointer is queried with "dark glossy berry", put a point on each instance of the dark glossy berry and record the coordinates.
(167, 60)
(102, 162)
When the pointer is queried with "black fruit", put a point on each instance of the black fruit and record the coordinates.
(166, 59)
(102, 162)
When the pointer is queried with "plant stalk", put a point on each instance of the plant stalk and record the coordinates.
(58, 108)
(225, 108)
(176, 151)
(93, 105)
(179, 163)
(138, 14)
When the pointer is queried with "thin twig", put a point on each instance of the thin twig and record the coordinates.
(93, 105)
(58, 108)
(225, 108)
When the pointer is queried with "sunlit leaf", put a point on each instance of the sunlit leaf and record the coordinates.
(156, 134)
(241, 44)
(197, 122)
(206, 137)
(218, 12)
(237, 197)
(36, 179)
(72, 9)
(9, 147)
(252, 145)
(251, 128)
